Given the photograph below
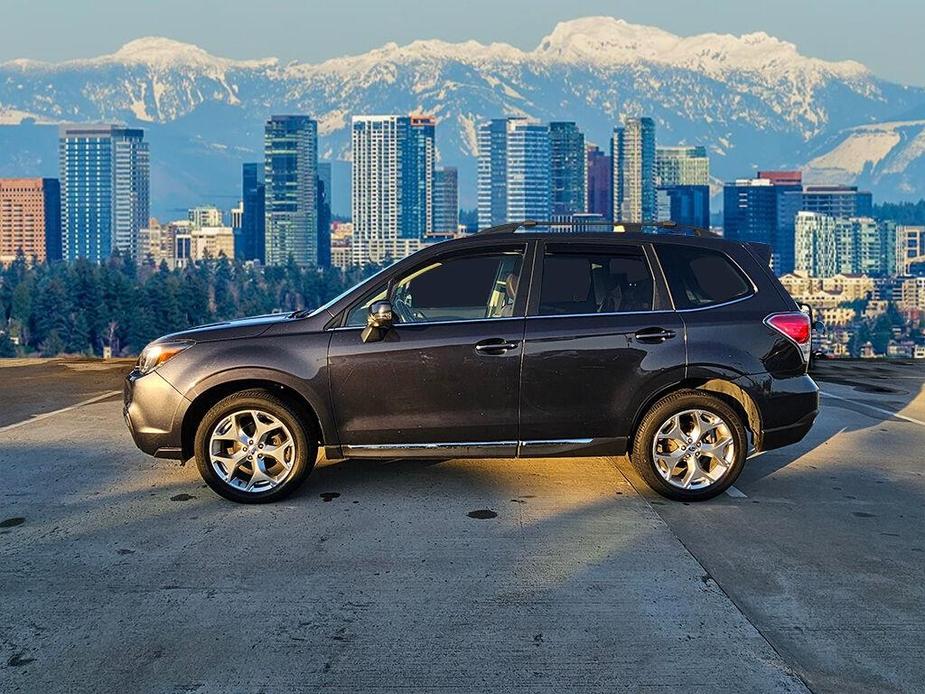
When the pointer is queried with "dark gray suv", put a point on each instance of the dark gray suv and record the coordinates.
(684, 352)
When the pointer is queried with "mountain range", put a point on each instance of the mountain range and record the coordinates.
(754, 100)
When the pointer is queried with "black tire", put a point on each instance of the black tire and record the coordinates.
(641, 454)
(303, 457)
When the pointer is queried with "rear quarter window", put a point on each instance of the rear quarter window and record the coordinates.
(700, 277)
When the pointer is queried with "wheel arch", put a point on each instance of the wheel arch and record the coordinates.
(206, 395)
(721, 386)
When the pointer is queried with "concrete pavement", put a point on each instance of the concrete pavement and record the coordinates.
(122, 572)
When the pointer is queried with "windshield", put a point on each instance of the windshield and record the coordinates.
(327, 305)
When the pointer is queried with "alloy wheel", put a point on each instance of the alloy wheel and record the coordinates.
(693, 449)
(252, 451)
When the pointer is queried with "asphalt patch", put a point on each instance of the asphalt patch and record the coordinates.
(12, 522)
(182, 497)
(327, 496)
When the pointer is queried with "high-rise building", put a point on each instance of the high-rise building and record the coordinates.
(825, 246)
(492, 173)
(324, 214)
(418, 178)
(392, 191)
(600, 182)
(764, 210)
(568, 162)
(528, 171)
(633, 152)
(237, 216)
(30, 219)
(105, 172)
(682, 166)
(290, 192)
(514, 181)
(211, 242)
(686, 204)
(837, 201)
(446, 200)
(253, 222)
(205, 216)
(909, 249)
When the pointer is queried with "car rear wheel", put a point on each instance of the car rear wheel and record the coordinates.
(690, 446)
(252, 447)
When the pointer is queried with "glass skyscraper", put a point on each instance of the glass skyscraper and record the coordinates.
(324, 214)
(418, 178)
(492, 173)
(682, 166)
(514, 181)
(105, 173)
(764, 209)
(600, 182)
(568, 173)
(446, 200)
(253, 223)
(633, 152)
(290, 193)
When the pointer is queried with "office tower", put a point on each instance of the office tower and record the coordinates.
(681, 166)
(205, 216)
(290, 190)
(105, 174)
(568, 174)
(324, 214)
(764, 209)
(600, 182)
(826, 245)
(837, 201)
(446, 200)
(633, 152)
(253, 223)
(418, 178)
(492, 173)
(528, 171)
(686, 204)
(579, 221)
(30, 219)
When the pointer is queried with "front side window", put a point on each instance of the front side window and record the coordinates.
(699, 277)
(456, 288)
(577, 282)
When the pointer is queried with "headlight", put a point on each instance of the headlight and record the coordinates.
(157, 353)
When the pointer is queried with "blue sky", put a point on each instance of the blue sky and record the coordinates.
(885, 35)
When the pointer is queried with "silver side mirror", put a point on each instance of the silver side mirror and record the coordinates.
(378, 321)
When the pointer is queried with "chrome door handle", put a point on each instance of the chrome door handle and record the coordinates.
(495, 345)
(653, 335)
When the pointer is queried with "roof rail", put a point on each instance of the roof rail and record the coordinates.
(512, 227)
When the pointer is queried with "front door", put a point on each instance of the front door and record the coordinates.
(599, 337)
(445, 379)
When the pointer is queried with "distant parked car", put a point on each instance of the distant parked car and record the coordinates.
(686, 353)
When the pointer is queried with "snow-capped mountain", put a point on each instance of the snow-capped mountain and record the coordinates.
(754, 100)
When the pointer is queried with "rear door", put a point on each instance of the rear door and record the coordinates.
(600, 333)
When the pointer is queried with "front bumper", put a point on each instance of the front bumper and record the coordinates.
(153, 410)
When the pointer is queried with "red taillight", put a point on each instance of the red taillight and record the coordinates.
(796, 326)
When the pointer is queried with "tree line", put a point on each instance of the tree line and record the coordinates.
(81, 307)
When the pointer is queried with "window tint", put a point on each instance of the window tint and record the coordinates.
(701, 277)
(595, 281)
(470, 287)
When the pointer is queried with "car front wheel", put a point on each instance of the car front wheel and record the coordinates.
(690, 446)
(252, 447)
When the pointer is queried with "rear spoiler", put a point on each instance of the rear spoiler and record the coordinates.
(761, 250)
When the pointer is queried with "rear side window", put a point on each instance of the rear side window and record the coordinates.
(701, 277)
(595, 281)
